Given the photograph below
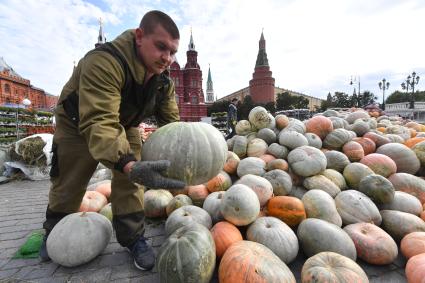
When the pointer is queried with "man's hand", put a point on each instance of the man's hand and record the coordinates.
(234, 122)
(149, 174)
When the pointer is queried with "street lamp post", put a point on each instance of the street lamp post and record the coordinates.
(411, 81)
(26, 102)
(352, 83)
(384, 85)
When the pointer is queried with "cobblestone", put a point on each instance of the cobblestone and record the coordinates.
(22, 208)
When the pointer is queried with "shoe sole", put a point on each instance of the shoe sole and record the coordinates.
(136, 265)
(139, 267)
(42, 259)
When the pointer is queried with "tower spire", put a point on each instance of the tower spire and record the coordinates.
(101, 39)
(262, 85)
(262, 55)
(191, 44)
(210, 90)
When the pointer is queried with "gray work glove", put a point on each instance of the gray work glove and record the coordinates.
(149, 174)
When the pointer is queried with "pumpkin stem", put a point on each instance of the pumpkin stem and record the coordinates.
(83, 214)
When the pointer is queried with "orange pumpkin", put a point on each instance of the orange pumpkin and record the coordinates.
(380, 164)
(368, 145)
(415, 269)
(413, 133)
(104, 189)
(267, 157)
(319, 125)
(377, 139)
(224, 235)
(221, 182)
(414, 125)
(277, 164)
(353, 150)
(232, 162)
(413, 244)
(381, 129)
(422, 215)
(281, 121)
(92, 201)
(251, 262)
(288, 209)
(183, 191)
(410, 143)
(198, 194)
(375, 114)
(373, 245)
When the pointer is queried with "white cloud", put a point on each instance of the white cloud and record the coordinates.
(312, 46)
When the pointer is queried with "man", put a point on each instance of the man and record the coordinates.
(112, 89)
(232, 118)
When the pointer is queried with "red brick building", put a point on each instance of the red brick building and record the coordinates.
(188, 82)
(262, 87)
(14, 89)
(262, 84)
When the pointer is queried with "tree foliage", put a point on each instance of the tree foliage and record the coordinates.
(343, 100)
(399, 96)
(218, 106)
(286, 101)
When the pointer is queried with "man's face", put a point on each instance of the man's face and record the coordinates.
(156, 50)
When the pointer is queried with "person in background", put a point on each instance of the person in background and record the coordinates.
(232, 118)
(112, 89)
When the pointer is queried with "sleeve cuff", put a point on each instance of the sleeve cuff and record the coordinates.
(123, 161)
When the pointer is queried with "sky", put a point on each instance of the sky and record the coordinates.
(313, 47)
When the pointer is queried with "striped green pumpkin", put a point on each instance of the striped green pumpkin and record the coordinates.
(197, 151)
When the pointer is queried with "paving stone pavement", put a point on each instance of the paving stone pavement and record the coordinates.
(22, 207)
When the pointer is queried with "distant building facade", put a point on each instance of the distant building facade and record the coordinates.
(14, 89)
(188, 82)
(262, 87)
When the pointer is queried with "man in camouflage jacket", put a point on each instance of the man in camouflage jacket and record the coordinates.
(112, 89)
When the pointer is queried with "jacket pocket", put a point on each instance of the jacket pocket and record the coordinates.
(54, 171)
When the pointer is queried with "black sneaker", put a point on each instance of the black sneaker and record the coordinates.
(43, 255)
(143, 254)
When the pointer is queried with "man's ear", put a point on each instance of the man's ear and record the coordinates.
(139, 35)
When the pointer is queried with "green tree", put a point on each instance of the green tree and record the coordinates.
(270, 106)
(245, 107)
(286, 101)
(300, 102)
(283, 101)
(325, 104)
(341, 99)
(367, 98)
(218, 106)
(399, 96)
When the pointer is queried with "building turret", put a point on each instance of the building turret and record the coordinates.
(261, 87)
(210, 90)
(101, 39)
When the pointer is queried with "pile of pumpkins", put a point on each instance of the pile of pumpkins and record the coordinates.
(338, 186)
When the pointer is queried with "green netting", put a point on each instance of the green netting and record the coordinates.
(31, 247)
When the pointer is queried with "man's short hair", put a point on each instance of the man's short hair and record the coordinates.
(234, 99)
(151, 19)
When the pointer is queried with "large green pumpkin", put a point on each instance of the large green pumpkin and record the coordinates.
(187, 255)
(197, 151)
(356, 207)
(78, 238)
(276, 235)
(319, 204)
(317, 235)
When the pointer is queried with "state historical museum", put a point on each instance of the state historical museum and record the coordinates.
(188, 83)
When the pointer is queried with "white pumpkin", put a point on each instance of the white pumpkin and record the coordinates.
(78, 238)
